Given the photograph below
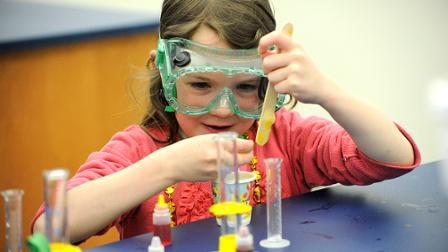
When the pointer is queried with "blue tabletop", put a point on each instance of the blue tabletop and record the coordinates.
(408, 213)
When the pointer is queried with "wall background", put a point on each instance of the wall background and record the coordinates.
(387, 52)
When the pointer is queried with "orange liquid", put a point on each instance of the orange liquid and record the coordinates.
(164, 232)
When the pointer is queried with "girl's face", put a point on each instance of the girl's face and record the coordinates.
(221, 118)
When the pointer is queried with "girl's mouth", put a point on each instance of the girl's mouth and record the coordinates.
(217, 128)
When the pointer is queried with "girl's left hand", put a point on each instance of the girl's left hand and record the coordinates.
(291, 70)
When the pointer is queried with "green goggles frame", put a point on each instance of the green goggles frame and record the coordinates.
(177, 57)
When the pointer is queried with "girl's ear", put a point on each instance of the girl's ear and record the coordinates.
(151, 60)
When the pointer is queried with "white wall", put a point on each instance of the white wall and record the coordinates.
(387, 52)
(384, 51)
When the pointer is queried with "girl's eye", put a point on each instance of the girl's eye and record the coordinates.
(246, 87)
(200, 85)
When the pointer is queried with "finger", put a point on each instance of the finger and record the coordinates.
(282, 41)
(282, 87)
(287, 86)
(244, 146)
(244, 158)
(226, 158)
(211, 173)
(275, 61)
(278, 75)
(287, 30)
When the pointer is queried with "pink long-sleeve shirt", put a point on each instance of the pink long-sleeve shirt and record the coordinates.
(315, 152)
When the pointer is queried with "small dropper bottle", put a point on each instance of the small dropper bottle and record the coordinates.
(244, 240)
(161, 220)
(156, 245)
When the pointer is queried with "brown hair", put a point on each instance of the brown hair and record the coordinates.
(241, 23)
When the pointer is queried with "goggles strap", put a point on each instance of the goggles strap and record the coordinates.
(169, 108)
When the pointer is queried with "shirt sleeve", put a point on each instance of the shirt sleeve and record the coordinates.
(125, 148)
(327, 154)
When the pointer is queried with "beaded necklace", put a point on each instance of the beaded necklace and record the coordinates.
(253, 167)
(257, 190)
(171, 206)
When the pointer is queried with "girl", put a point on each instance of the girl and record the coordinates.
(202, 83)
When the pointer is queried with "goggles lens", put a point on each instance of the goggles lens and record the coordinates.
(206, 91)
(197, 78)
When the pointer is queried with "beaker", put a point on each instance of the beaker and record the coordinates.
(13, 219)
(55, 183)
(274, 204)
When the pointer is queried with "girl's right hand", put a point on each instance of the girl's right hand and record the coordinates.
(292, 71)
(194, 158)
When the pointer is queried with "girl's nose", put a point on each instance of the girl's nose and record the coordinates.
(223, 108)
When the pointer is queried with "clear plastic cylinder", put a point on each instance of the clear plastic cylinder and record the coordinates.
(13, 219)
(228, 170)
(274, 205)
(55, 183)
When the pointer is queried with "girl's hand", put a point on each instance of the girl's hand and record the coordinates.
(291, 70)
(194, 159)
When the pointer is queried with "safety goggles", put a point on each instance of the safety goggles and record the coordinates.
(198, 79)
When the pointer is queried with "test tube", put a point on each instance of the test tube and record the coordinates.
(55, 182)
(274, 205)
(228, 171)
(13, 219)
